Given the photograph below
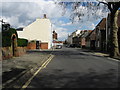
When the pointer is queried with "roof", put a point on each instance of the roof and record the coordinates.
(90, 33)
(19, 29)
(86, 33)
(102, 24)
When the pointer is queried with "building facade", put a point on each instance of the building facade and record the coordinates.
(40, 31)
(73, 37)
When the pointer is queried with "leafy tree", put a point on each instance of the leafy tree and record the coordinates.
(93, 8)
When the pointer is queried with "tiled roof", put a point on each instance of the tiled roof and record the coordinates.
(102, 24)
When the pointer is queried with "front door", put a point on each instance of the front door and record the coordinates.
(37, 45)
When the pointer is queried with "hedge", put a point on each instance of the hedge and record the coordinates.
(6, 37)
(22, 42)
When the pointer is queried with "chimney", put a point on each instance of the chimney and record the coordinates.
(45, 16)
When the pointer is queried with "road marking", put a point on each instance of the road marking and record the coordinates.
(48, 62)
(43, 66)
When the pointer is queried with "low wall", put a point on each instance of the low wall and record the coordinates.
(7, 52)
(20, 51)
(31, 46)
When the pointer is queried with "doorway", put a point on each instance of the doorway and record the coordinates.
(37, 45)
(14, 44)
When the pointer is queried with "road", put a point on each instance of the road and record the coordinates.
(73, 68)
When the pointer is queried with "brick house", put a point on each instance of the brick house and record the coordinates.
(74, 37)
(90, 40)
(82, 37)
(38, 33)
(76, 40)
(100, 31)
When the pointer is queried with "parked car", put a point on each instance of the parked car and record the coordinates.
(58, 46)
(75, 45)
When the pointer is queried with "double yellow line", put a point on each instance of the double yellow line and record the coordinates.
(43, 66)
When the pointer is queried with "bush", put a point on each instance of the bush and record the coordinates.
(6, 37)
(22, 42)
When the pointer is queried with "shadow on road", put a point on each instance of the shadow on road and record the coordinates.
(59, 79)
(58, 52)
(10, 74)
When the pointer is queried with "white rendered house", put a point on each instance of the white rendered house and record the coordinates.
(40, 30)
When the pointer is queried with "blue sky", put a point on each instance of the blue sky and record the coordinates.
(20, 14)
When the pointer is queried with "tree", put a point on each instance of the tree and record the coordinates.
(110, 6)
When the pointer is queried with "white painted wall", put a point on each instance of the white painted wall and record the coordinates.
(40, 30)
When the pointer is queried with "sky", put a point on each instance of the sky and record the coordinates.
(21, 13)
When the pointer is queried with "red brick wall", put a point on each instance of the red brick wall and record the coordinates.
(20, 51)
(83, 42)
(7, 52)
(31, 45)
(43, 45)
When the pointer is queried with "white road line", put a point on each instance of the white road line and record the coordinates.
(43, 66)
(48, 62)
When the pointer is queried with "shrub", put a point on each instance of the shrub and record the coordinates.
(22, 42)
(6, 37)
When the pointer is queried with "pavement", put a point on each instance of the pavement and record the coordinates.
(17, 69)
(99, 53)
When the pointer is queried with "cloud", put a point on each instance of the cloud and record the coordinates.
(87, 25)
(24, 12)
(67, 24)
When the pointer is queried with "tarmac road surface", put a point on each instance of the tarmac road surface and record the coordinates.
(73, 68)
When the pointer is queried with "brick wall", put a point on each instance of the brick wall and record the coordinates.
(43, 45)
(31, 45)
(7, 52)
(20, 51)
